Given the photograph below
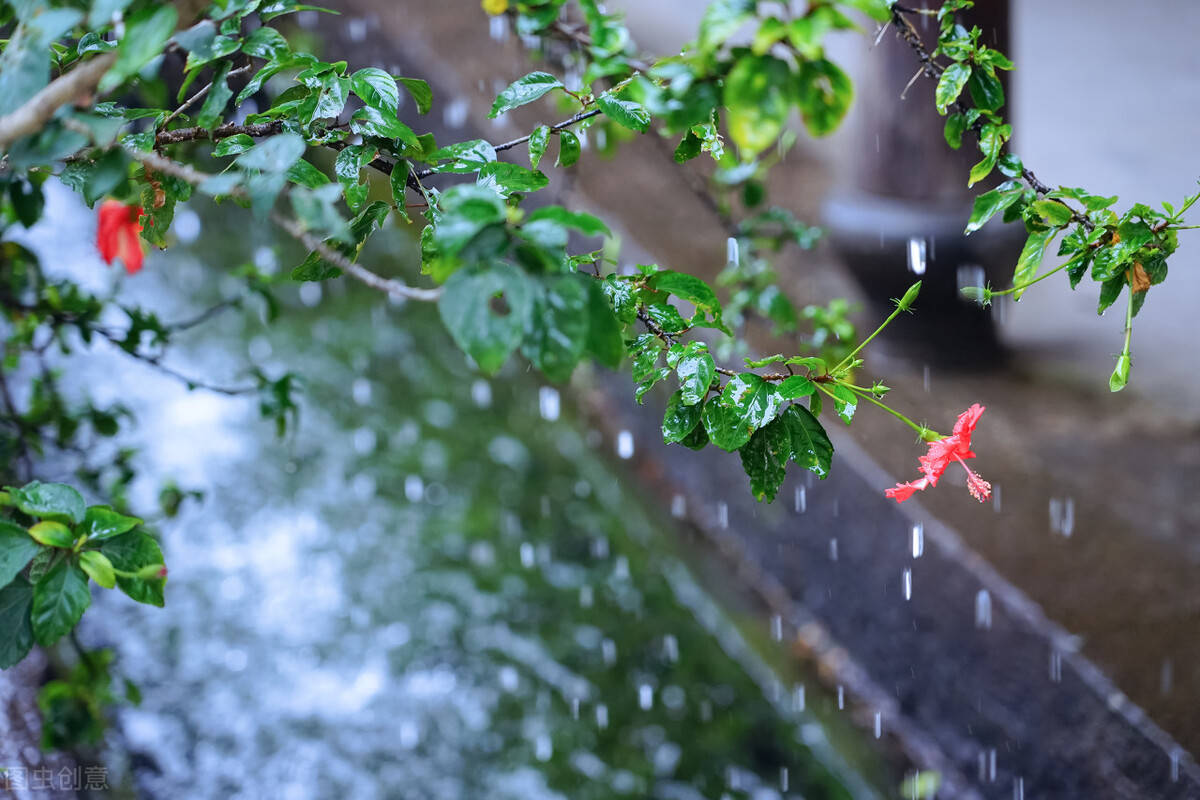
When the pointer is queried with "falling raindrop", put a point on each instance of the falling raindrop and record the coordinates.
(587, 596)
(621, 568)
(1019, 789)
(783, 779)
(991, 771)
(798, 697)
(498, 27)
(732, 257)
(907, 581)
(549, 404)
(671, 648)
(1174, 765)
(543, 748)
(645, 697)
(969, 276)
(608, 652)
(878, 724)
(601, 716)
(777, 628)
(801, 500)
(625, 444)
(455, 113)
(356, 29)
(983, 610)
(833, 550)
(1062, 515)
(723, 514)
(481, 393)
(918, 539)
(1055, 666)
(916, 255)
(526, 555)
(574, 708)
(925, 377)
(414, 488)
(678, 506)
(841, 692)
(360, 390)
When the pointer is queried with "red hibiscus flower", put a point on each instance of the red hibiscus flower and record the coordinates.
(955, 447)
(117, 234)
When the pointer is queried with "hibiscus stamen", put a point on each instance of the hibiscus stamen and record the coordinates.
(979, 488)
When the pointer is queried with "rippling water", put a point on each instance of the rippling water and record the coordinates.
(429, 590)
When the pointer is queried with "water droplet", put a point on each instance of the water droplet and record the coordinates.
(798, 697)
(608, 651)
(543, 748)
(925, 377)
(625, 445)
(983, 610)
(454, 114)
(1062, 515)
(356, 29)
(1174, 765)
(186, 225)
(783, 779)
(574, 708)
(310, 293)
(916, 255)
(645, 697)
(601, 716)
(991, 771)
(361, 391)
(878, 724)
(833, 549)
(549, 404)
(587, 597)
(723, 514)
(1055, 666)
(671, 648)
(907, 583)
(678, 506)
(1019, 789)
(414, 488)
(777, 628)
(527, 555)
(732, 257)
(509, 678)
(841, 693)
(801, 500)
(918, 539)
(498, 27)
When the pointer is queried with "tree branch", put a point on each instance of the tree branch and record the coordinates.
(32, 116)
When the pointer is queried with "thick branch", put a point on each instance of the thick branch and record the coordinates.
(32, 117)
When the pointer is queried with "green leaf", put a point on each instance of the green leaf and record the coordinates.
(845, 403)
(757, 100)
(824, 94)
(986, 90)
(689, 147)
(539, 140)
(1031, 258)
(504, 178)
(950, 85)
(377, 89)
(265, 43)
(604, 340)
(956, 126)
(991, 139)
(769, 32)
(724, 425)
(811, 447)
(98, 568)
(557, 328)
(486, 312)
(274, 155)
(370, 121)
(464, 156)
(765, 457)
(347, 167)
(1052, 212)
(695, 370)
(524, 90)
(466, 211)
(17, 549)
(755, 401)
(55, 501)
(53, 534)
(989, 204)
(721, 19)
(569, 148)
(1110, 290)
(146, 34)
(216, 100)
(626, 113)
(233, 145)
(878, 10)
(680, 419)
(305, 174)
(795, 387)
(59, 600)
(586, 224)
(101, 522)
(134, 552)
(421, 93)
(16, 631)
(399, 183)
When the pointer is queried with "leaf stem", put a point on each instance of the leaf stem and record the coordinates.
(867, 341)
(926, 433)
(1027, 284)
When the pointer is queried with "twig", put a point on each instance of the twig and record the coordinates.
(181, 135)
(191, 101)
(32, 116)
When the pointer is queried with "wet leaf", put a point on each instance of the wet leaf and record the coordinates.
(757, 101)
(487, 334)
(538, 141)
(524, 90)
(626, 113)
(680, 419)
(16, 630)
(557, 328)
(17, 549)
(765, 457)
(59, 600)
(134, 552)
(55, 501)
(950, 85)
(101, 522)
(1031, 258)
(98, 568)
(569, 148)
(811, 447)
